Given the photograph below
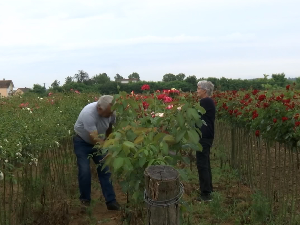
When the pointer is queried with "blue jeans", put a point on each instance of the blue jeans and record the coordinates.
(82, 150)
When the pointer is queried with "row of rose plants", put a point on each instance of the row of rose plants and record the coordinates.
(273, 115)
(29, 125)
(152, 129)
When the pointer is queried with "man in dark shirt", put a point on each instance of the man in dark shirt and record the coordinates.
(204, 91)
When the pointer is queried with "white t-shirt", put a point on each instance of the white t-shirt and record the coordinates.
(89, 120)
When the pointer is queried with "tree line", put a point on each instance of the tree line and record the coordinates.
(103, 84)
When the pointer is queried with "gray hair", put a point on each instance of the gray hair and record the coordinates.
(206, 85)
(104, 101)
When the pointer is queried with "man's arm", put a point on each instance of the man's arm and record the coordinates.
(95, 139)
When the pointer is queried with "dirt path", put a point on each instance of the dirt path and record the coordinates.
(97, 213)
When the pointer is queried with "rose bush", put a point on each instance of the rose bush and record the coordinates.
(271, 114)
(153, 128)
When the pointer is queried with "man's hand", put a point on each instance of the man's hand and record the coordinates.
(95, 139)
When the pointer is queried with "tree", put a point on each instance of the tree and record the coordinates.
(68, 80)
(191, 79)
(266, 76)
(81, 76)
(169, 77)
(55, 84)
(134, 75)
(279, 79)
(297, 83)
(118, 77)
(39, 89)
(180, 76)
(101, 78)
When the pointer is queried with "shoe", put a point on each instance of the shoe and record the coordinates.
(85, 203)
(84, 206)
(205, 198)
(113, 206)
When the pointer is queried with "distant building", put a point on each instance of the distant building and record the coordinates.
(6, 88)
(126, 81)
(21, 91)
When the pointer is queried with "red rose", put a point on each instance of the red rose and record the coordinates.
(297, 124)
(254, 114)
(257, 133)
(254, 92)
(296, 116)
(274, 120)
(145, 87)
(287, 87)
(284, 118)
(246, 96)
(262, 97)
(145, 105)
(168, 99)
(161, 96)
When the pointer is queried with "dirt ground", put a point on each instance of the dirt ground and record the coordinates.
(234, 193)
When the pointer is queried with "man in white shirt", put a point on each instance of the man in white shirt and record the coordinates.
(95, 119)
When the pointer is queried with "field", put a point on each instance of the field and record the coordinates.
(255, 157)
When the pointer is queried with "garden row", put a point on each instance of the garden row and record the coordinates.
(270, 114)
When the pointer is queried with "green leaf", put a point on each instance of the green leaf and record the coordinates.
(135, 196)
(154, 148)
(180, 120)
(137, 184)
(193, 136)
(130, 135)
(180, 134)
(151, 162)
(146, 152)
(139, 139)
(159, 137)
(128, 144)
(169, 139)
(128, 165)
(200, 109)
(142, 161)
(192, 113)
(118, 163)
(165, 148)
(186, 160)
(108, 143)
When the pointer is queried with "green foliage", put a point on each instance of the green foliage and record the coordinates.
(101, 78)
(144, 136)
(260, 208)
(279, 79)
(134, 75)
(191, 80)
(118, 77)
(180, 76)
(169, 77)
(38, 89)
(81, 76)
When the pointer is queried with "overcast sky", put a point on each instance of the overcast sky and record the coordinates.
(41, 41)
